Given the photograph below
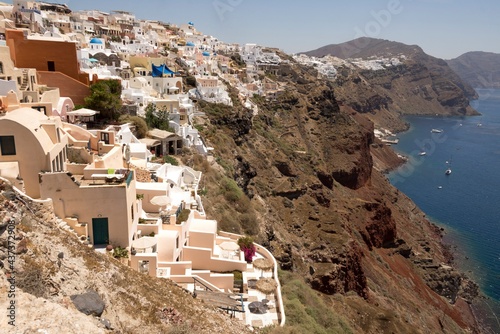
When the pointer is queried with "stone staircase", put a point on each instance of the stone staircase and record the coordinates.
(25, 81)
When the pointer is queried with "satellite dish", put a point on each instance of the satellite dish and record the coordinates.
(126, 153)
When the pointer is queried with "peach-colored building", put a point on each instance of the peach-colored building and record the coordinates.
(31, 142)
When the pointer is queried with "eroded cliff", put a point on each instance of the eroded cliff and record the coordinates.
(331, 219)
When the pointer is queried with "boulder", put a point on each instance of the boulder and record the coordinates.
(89, 303)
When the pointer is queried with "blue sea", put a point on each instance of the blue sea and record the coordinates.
(465, 203)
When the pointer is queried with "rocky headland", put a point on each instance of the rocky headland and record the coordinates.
(478, 69)
(410, 82)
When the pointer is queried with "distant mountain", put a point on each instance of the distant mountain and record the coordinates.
(364, 48)
(478, 69)
(408, 81)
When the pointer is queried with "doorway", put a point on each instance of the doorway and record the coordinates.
(100, 231)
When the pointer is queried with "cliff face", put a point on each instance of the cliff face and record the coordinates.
(417, 84)
(478, 69)
(331, 219)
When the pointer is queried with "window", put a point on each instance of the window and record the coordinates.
(105, 137)
(7, 145)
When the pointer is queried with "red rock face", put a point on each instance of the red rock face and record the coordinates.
(345, 275)
(380, 227)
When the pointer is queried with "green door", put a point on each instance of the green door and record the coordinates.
(100, 231)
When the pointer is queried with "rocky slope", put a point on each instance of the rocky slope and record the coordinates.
(334, 223)
(478, 69)
(49, 270)
(418, 84)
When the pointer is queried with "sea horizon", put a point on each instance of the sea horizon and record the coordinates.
(464, 203)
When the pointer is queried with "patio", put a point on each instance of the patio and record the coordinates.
(271, 316)
(268, 312)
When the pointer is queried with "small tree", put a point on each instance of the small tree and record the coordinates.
(157, 118)
(105, 96)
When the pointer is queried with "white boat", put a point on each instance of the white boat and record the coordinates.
(437, 130)
(448, 169)
(422, 153)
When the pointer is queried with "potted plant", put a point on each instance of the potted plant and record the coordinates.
(248, 248)
(121, 254)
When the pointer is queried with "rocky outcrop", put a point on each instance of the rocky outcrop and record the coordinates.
(380, 227)
(345, 274)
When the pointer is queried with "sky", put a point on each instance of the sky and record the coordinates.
(443, 28)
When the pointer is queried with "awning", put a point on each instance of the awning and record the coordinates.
(150, 142)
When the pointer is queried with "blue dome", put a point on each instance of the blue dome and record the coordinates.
(95, 41)
(206, 53)
(189, 44)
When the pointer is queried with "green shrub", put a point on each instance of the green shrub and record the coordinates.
(229, 223)
(306, 311)
(238, 275)
(183, 216)
(249, 223)
(230, 190)
(170, 160)
(141, 128)
(120, 252)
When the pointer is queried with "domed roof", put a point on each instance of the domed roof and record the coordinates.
(206, 54)
(95, 41)
(190, 44)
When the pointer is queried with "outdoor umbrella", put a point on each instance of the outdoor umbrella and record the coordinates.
(162, 200)
(263, 264)
(266, 285)
(229, 246)
(257, 307)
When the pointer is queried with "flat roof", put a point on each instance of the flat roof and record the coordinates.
(204, 225)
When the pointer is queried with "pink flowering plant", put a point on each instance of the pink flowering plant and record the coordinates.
(248, 248)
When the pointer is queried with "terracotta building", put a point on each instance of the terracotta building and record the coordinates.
(56, 63)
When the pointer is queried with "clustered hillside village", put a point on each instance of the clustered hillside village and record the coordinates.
(96, 110)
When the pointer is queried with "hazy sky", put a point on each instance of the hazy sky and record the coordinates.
(443, 28)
